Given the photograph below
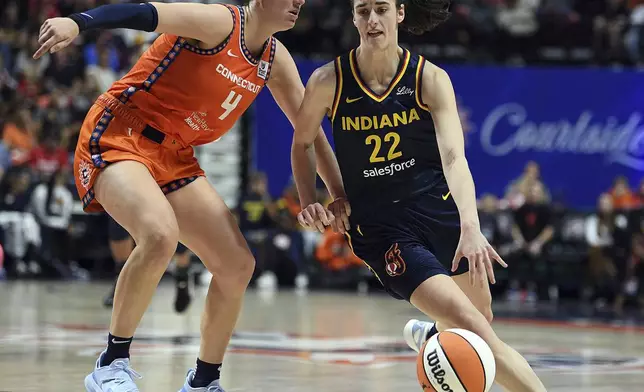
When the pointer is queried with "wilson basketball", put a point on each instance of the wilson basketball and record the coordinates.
(455, 360)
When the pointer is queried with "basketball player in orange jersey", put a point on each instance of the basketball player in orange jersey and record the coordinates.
(135, 158)
(399, 144)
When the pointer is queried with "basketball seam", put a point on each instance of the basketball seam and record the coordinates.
(438, 339)
(422, 349)
(480, 360)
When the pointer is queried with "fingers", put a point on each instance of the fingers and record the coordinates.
(338, 222)
(473, 270)
(495, 256)
(321, 213)
(301, 220)
(308, 219)
(345, 221)
(59, 46)
(316, 216)
(347, 208)
(488, 267)
(457, 259)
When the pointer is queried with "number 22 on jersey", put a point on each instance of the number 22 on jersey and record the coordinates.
(392, 138)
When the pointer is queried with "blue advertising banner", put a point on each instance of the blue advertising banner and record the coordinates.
(583, 126)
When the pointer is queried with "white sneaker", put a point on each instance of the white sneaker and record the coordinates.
(415, 333)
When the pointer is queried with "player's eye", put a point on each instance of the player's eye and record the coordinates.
(382, 10)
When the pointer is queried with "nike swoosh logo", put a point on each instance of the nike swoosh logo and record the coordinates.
(231, 54)
(351, 100)
(446, 196)
(119, 341)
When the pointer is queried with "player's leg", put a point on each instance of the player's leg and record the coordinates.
(121, 245)
(182, 278)
(209, 229)
(127, 191)
(446, 300)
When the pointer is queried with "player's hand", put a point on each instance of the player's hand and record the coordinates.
(341, 209)
(479, 254)
(55, 34)
(317, 217)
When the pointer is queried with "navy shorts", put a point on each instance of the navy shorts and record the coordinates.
(410, 241)
(116, 232)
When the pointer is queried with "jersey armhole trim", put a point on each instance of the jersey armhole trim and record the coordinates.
(338, 87)
(271, 58)
(419, 83)
(221, 46)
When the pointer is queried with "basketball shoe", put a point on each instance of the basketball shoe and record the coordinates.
(416, 333)
(213, 387)
(118, 376)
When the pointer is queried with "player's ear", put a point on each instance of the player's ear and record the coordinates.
(400, 13)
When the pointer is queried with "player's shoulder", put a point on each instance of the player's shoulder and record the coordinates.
(222, 22)
(323, 78)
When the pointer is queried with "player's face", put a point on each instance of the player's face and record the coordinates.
(377, 21)
(283, 12)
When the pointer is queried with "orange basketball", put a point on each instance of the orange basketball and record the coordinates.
(455, 360)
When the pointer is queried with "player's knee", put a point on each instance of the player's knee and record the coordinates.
(473, 320)
(159, 240)
(239, 275)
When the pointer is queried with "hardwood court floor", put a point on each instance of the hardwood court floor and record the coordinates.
(50, 335)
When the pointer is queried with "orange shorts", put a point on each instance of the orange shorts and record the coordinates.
(111, 133)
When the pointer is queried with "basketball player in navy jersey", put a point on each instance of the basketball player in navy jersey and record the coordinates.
(399, 144)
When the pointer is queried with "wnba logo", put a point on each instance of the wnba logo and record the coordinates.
(394, 263)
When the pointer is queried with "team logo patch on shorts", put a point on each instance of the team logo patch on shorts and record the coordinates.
(85, 170)
(394, 263)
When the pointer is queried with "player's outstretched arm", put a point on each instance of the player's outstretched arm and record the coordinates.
(309, 139)
(309, 143)
(438, 95)
(208, 23)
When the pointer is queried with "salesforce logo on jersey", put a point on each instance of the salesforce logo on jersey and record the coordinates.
(584, 127)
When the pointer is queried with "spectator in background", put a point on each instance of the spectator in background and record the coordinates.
(50, 156)
(255, 212)
(600, 231)
(289, 237)
(634, 37)
(22, 239)
(335, 254)
(19, 134)
(632, 278)
(621, 195)
(488, 218)
(532, 231)
(51, 204)
(518, 191)
(518, 25)
(609, 19)
(101, 74)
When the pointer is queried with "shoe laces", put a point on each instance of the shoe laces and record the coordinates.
(124, 366)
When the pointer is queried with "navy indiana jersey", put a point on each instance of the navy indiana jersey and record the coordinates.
(385, 143)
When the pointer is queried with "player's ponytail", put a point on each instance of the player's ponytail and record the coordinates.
(424, 15)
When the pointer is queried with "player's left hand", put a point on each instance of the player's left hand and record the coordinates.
(479, 254)
(55, 34)
(315, 216)
(341, 210)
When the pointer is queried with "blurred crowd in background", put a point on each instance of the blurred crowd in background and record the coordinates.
(596, 255)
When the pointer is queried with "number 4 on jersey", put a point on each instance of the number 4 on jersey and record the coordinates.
(230, 104)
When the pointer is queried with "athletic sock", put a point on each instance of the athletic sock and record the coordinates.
(205, 374)
(433, 331)
(117, 348)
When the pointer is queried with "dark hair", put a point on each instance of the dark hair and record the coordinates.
(422, 15)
